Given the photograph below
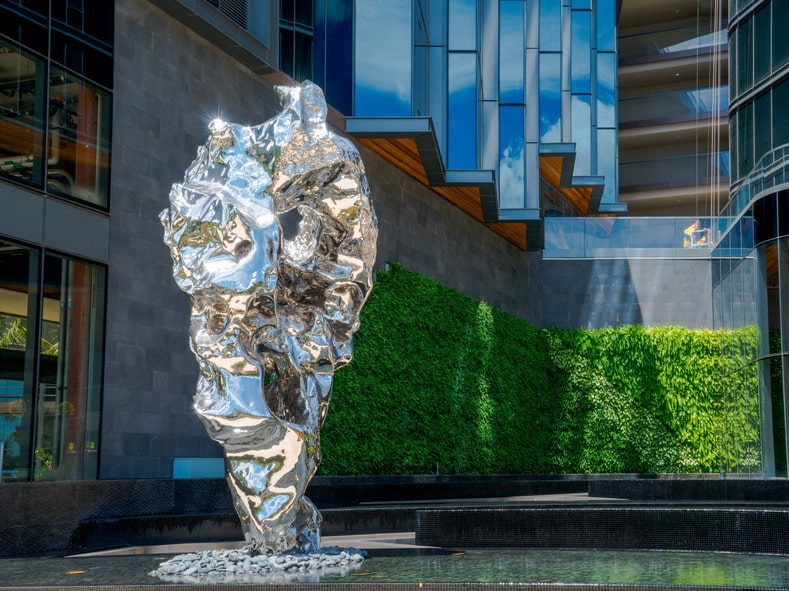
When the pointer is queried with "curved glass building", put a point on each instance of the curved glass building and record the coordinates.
(751, 259)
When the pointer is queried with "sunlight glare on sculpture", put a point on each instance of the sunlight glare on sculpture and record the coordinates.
(273, 238)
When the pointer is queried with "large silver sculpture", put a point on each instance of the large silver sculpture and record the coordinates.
(273, 237)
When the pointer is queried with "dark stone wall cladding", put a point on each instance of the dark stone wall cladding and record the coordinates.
(169, 83)
(51, 518)
(696, 489)
(44, 518)
(634, 528)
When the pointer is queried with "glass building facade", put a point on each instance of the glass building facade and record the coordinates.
(751, 259)
(673, 107)
(55, 115)
(504, 83)
(55, 97)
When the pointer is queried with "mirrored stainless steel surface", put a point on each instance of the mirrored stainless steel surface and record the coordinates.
(273, 237)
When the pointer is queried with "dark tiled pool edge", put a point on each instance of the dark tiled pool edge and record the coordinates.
(725, 529)
(415, 586)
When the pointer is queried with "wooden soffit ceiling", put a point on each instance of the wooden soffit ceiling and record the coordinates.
(404, 153)
(551, 170)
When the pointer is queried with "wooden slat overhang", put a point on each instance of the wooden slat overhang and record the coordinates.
(404, 153)
(409, 143)
(551, 171)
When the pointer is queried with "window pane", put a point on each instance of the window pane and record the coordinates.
(765, 219)
(744, 56)
(462, 24)
(437, 94)
(286, 50)
(304, 12)
(462, 111)
(383, 58)
(287, 10)
(781, 114)
(550, 26)
(511, 157)
(81, 58)
(18, 310)
(732, 61)
(79, 138)
(606, 25)
(780, 46)
(606, 90)
(773, 298)
(91, 18)
(302, 65)
(22, 115)
(550, 97)
(333, 51)
(581, 52)
(511, 52)
(762, 126)
(745, 139)
(761, 37)
(607, 163)
(582, 134)
(69, 392)
(778, 378)
(99, 20)
(735, 169)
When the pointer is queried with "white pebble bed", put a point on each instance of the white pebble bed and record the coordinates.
(244, 566)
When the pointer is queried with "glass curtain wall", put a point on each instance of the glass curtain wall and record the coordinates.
(296, 33)
(51, 343)
(752, 272)
(55, 103)
(465, 63)
(760, 52)
(751, 300)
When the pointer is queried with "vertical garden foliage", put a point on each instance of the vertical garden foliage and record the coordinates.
(740, 441)
(440, 381)
(651, 399)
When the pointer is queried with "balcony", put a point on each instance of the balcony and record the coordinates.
(674, 172)
(672, 43)
(647, 237)
(673, 107)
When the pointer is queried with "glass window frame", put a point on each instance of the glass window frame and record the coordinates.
(58, 436)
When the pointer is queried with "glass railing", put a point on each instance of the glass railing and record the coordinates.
(685, 105)
(697, 39)
(677, 171)
(771, 171)
(601, 237)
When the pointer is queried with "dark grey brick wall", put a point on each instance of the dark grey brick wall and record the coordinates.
(608, 292)
(169, 83)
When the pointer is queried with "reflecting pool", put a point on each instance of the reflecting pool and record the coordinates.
(655, 569)
(575, 566)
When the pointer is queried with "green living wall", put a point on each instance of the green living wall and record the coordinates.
(442, 382)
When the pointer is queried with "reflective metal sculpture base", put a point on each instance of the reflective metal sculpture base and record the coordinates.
(273, 237)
